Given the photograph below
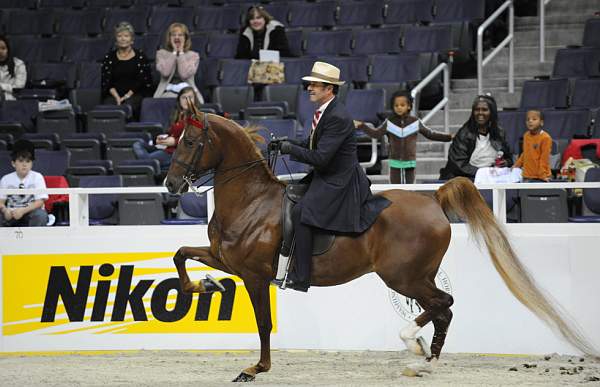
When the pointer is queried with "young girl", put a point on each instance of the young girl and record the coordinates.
(166, 143)
(402, 129)
(537, 144)
(13, 74)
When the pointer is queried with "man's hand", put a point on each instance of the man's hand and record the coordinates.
(285, 147)
(7, 213)
(275, 143)
(18, 213)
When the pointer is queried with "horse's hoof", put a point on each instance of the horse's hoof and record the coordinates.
(244, 377)
(424, 346)
(415, 345)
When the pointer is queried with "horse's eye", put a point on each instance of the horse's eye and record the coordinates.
(189, 143)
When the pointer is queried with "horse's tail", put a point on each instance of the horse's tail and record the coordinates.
(460, 197)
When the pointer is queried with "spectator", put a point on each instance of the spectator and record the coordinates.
(176, 63)
(402, 130)
(23, 210)
(126, 75)
(537, 144)
(13, 74)
(260, 31)
(166, 143)
(478, 143)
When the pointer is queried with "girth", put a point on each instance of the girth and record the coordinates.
(322, 240)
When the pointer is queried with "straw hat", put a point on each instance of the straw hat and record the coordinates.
(324, 72)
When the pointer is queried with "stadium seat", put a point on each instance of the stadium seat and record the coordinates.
(28, 21)
(363, 105)
(136, 175)
(320, 15)
(5, 163)
(279, 11)
(586, 93)
(540, 94)
(564, 124)
(394, 68)
(57, 205)
(591, 33)
(33, 49)
(591, 199)
(22, 112)
(158, 110)
(49, 162)
(261, 110)
(82, 148)
(140, 209)
(138, 17)
(161, 17)
(408, 11)
(222, 45)
(233, 98)
(79, 21)
(284, 92)
(78, 49)
(513, 123)
(215, 18)
(543, 205)
(47, 141)
(296, 68)
(105, 121)
(352, 68)
(295, 42)
(368, 12)
(61, 122)
(199, 42)
(319, 43)
(84, 100)
(233, 72)
(103, 208)
(52, 75)
(458, 10)
(377, 41)
(576, 63)
(278, 128)
(191, 210)
(432, 38)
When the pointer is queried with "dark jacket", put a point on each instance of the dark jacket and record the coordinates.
(338, 198)
(462, 147)
(273, 38)
(404, 148)
(137, 77)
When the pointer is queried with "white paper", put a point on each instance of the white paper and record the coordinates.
(268, 56)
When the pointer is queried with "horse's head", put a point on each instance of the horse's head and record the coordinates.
(195, 154)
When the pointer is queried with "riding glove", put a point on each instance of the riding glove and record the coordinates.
(285, 147)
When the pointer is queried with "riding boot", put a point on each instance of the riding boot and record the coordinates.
(302, 252)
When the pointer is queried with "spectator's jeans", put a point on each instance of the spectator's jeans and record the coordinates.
(145, 152)
(35, 218)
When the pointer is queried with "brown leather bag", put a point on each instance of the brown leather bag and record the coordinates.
(266, 72)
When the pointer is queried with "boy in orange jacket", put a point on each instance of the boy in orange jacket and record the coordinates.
(537, 144)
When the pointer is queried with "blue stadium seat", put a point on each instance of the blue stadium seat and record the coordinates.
(377, 41)
(432, 38)
(394, 68)
(408, 11)
(6, 163)
(364, 105)
(591, 199)
(564, 124)
(279, 11)
(352, 68)
(233, 98)
(47, 141)
(192, 209)
(279, 128)
(158, 110)
(296, 68)
(138, 17)
(305, 110)
(27, 21)
(295, 42)
(328, 42)
(233, 72)
(222, 45)
(78, 21)
(50, 162)
(103, 208)
(458, 10)
(320, 15)
(49, 74)
(513, 123)
(540, 94)
(576, 63)
(61, 122)
(31, 48)
(62, 4)
(149, 44)
(77, 49)
(82, 148)
(368, 12)
(284, 92)
(21, 111)
(162, 17)
(586, 93)
(591, 33)
(105, 121)
(199, 42)
(214, 18)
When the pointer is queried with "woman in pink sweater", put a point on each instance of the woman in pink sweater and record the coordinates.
(176, 63)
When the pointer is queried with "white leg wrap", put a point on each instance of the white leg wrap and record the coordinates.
(282, 267)
(408, 335)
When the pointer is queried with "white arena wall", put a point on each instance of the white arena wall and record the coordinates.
(361, 315)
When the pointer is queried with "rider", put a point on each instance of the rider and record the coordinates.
(338, 198)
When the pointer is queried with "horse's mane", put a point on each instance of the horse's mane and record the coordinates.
(251, 132)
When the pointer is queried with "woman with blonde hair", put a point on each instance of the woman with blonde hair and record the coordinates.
(126, 76)
(176, 63)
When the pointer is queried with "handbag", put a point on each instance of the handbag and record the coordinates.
(266, 72)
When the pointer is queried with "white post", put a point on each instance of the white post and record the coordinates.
(499, 204)
(79, 212)
(210, 203)
(542, 16)
(511, 49)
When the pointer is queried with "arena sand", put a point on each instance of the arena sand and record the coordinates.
(348, 368)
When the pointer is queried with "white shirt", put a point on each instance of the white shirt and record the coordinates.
(8, 82)
(33, 180)
(484, 153)
(322, 109)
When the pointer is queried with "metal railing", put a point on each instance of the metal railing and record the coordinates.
(79, 197)
(442, 67)
(509, 40)
(542, 14)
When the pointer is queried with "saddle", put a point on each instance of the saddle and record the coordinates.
(322, 240)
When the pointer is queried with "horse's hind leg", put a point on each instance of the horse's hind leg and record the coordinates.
(440, 322)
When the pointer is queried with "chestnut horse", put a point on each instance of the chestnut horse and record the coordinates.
(405, 245)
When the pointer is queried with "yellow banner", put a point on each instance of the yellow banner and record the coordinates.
(117, 293)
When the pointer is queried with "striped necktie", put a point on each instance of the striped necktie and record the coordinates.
(314, 126)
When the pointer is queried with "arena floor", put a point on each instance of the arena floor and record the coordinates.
(202, 368)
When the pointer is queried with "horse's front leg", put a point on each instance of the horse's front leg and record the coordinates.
(200, 254)
(261, 302)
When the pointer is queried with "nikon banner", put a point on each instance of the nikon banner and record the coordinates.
(111, 295)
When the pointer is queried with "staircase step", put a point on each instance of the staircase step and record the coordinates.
(457, 117)
(458, 84)
(554, 36)
(577, 7)
(499, 69)
(464, 99)
(553, 20)
(526, 54)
